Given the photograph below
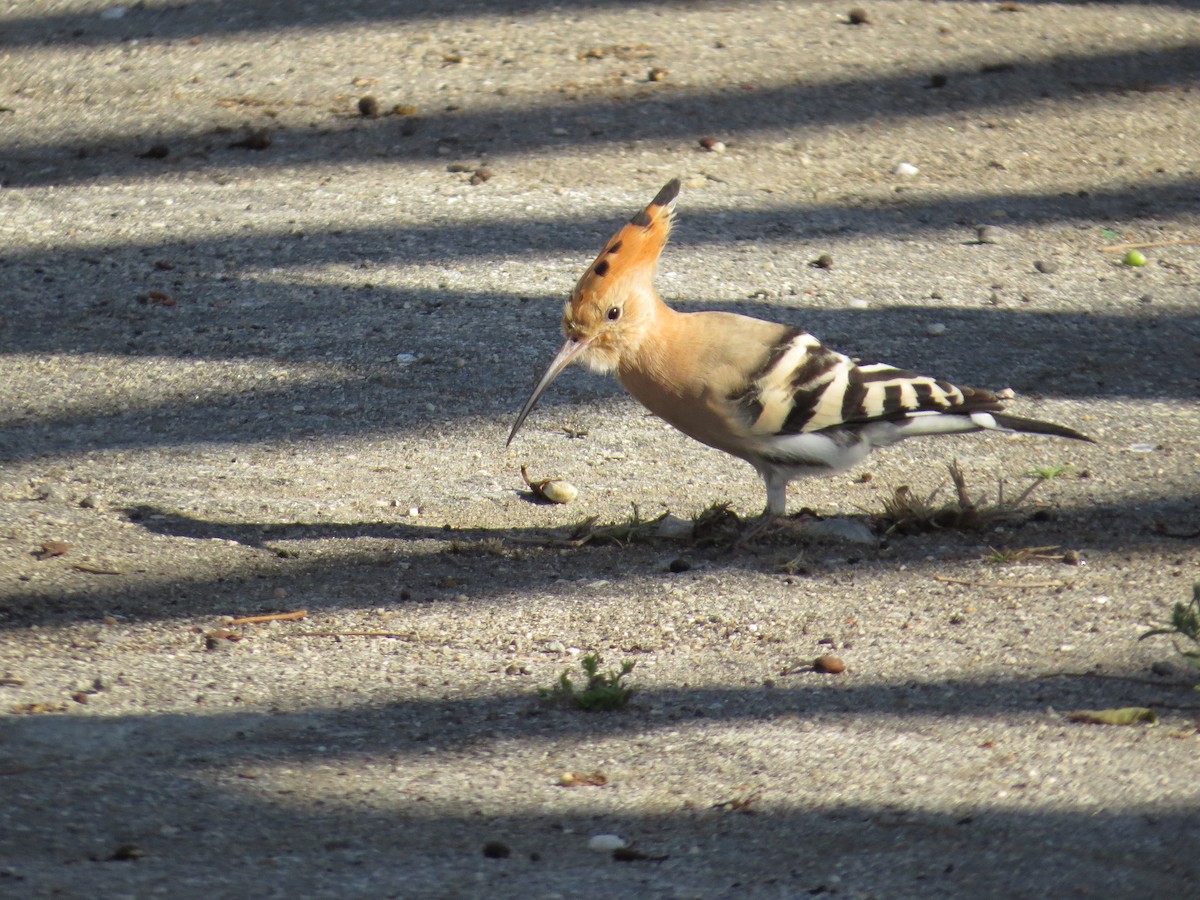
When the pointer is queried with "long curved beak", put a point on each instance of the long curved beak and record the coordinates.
(571, 349)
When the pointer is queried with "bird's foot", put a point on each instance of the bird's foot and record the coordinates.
(759, 527)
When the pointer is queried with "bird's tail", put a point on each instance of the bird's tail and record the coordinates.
(1029, 426)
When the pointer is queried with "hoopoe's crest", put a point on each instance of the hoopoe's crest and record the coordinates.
(607, 309)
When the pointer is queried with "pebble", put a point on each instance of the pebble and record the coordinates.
(674, 528)
(858, 16)
(406, 359)
(113, 12)
(824, 261)
(829, 665)
(850, 530)
(935, 329)
(1143, 448)
(1046, 266)
(712, 145)
(988, 234)
(368, 106)
(496, 850)
(905, 170)
(606, 843)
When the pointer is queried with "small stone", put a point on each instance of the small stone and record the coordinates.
(53, 548)
(1072, 558)
(368, 106)
(497, 850)
(906, 170)
(113, 12)
(858, 16)
(1046, 266)
(156, 151)
(258, 139)
(824, 261)
(935, 329)
(838, 529)
(127, 853)
(712, 145)
(479, 176)
(829, 665)
(679, 564)
(1171, 668)
(606, 843)
(656, 74)
(988, 234)
(674, 528)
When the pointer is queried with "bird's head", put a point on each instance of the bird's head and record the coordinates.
(606, 315)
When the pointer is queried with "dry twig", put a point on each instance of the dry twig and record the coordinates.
(273, 617)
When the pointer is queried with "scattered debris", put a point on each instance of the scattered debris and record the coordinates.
(258, 139)
(51, 549)
(91, 569)
(271, 617)
(553, 490)
(1004, 585)
(628, 854)
(606, 843)
(497, 850)
(581, 779)
(829, 665)
(127, 853)
(1129, 715)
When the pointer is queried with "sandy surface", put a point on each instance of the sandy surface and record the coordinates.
(259, 353)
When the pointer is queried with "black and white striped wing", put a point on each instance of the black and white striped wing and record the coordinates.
(805, 387)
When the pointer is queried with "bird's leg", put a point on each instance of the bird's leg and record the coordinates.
(776, 506)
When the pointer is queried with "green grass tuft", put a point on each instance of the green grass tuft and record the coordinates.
(602, 690)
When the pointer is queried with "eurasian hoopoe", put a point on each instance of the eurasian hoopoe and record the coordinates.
(767, 393)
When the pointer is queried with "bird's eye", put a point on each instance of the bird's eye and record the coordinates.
(614, 313)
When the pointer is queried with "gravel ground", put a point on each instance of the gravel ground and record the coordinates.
(259, 353)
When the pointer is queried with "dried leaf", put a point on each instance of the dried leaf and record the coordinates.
(52, 548)
(583, 779)
(1128, 715)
